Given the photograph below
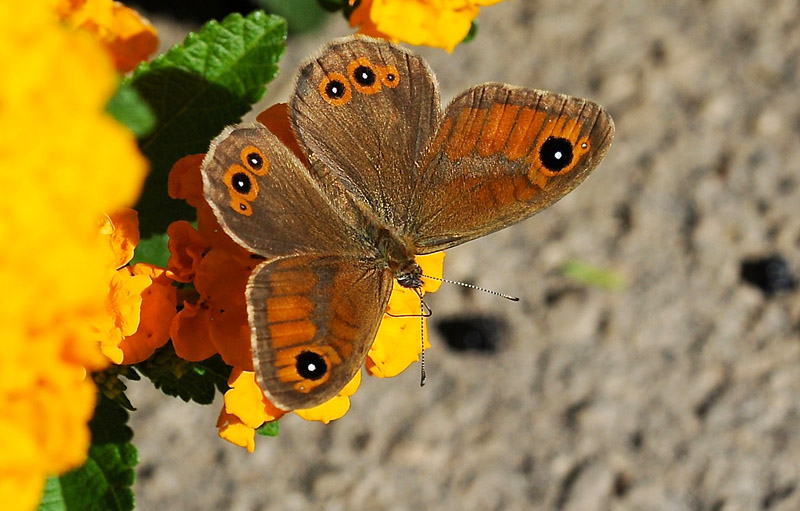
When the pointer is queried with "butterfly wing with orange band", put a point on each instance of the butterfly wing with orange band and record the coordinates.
(500, 155)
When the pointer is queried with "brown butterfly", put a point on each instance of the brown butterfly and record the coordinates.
(390, 177)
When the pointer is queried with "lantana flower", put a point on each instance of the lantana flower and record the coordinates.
(57, 187)
(141, 299)
(129, 37)
(438, 23)
(214, 319)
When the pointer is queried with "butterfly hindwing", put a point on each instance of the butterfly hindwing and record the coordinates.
(501, 154)
(313, 320)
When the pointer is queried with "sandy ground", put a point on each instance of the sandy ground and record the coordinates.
(679, 392)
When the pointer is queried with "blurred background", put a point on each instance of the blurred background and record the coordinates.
(653, 360)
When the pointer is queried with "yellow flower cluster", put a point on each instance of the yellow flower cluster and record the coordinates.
(65, 163)
(439, 23)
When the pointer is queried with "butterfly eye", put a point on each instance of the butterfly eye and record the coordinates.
(311, 365)
(363, 75)
(556, 154)
(254, 160)
(335, 89)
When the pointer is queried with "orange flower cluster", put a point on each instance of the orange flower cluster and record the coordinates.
(215, 319)
(141, 299)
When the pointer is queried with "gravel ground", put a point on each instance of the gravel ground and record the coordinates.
(679, 392)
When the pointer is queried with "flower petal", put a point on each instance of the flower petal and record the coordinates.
(157, 312)
(124, 235)
(246, 400)
(397, 345)
(232, 429)
(334, 408)
(189, 333)
(185, 181)
(221, 280)
(186, 248)
(432, 266)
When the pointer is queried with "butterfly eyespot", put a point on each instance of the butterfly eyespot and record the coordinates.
(556, 154)
(241, 207)
(389, 76)
(362, 74)
(311, 365)
(241, 183)
(254, 160)
(335, 89)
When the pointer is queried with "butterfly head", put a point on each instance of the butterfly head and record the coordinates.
(410, 275)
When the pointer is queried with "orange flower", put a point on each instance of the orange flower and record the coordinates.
(141, 299)
(128, 37)
(214, 319)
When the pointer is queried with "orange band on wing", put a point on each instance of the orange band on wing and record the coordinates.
(499, 124)
(524, 133)
(465, 133)
(291, 333)
(288, 308)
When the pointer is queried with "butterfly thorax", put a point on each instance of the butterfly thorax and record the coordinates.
(397, 252)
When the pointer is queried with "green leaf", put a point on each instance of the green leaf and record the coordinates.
(109, 423)
(104, 482)
(473, 31)
(190, 381)
(301, 15)
(589, 275)
(195, 90)
(152, 250)
(129, 108)
(112, 387)
(269, 429)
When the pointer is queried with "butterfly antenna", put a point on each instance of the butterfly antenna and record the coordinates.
(422, 309)
(470, 286)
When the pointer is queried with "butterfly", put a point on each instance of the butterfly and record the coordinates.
(389, 176)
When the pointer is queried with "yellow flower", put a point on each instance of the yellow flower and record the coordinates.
(65, 163)
(439, 23)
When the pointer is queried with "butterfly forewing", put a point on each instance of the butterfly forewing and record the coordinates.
(364, 109)
(267, 201)
(313, 320)
(501, 154)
